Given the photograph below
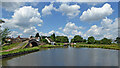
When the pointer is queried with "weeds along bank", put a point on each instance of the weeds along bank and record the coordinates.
(104, 46)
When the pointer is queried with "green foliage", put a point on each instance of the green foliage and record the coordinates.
(97, 41)
(84, 40)
(77, 39)
(62, 39)
(20, 50)
(91, 40)
(53, 36)
(106, 41)
(44, 40)
(105, 46)
(3, 34)
(31, 36)
(37, 35)
(117, 40)
(1, 21)
(10, 46)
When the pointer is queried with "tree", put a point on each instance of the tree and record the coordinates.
(84, 40)
(1, 21)
(91, 40)
(44, 40)
(3, 34)
(106, 41)
(72, 40)
(37, 35)
(97, 41)
(53, 36)
(61, 39)
(117, 40)
(77, 39)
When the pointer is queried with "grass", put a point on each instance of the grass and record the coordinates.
(59, 43)
(10, 46)
(23, 45)
(20, 50)
(112, 46)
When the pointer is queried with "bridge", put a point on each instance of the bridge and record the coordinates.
(32, 43)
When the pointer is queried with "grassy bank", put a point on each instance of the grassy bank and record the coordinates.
(18, 52)
(10, 46)
(112, 46)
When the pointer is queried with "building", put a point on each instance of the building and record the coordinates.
(50, 41)
(15, 40)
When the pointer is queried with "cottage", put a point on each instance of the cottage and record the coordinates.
(50, 41)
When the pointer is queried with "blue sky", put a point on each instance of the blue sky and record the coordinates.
(69, 19)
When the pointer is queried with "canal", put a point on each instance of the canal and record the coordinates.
(66, 57)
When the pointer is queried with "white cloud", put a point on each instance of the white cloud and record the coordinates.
(75, 32)
(47, 10)
(69, 10)
(94, 13)
(24, 17)
(57, 33)
(15, 34)
(108, 29)
(30, 31)
(11, 6)
(84, 0)
(51, 32)
(70, 27)
(43, 34)
(60, 28)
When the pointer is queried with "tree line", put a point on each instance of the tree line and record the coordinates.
(79, 39)
(58, 39)
(91, 40)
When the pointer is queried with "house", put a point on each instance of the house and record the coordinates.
(50, 41)
(15, 40)
(36, 38)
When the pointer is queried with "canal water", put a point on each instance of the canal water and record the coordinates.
(66, 57)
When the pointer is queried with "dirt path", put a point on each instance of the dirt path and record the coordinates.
(20, 45)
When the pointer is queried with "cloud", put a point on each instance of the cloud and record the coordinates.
(57, 33)
(15, 34)
(47, 10)
(108, 29)
(60, 28)
(11, 6)
(83, 0)
(94, 13)
(69, 10)
(30, 31)
(75, 32)
(71, 27)
(24, 17)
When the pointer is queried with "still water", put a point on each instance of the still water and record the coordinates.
(66, 57)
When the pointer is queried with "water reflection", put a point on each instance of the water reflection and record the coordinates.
(66, 57)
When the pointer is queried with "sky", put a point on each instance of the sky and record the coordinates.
(98, 19)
